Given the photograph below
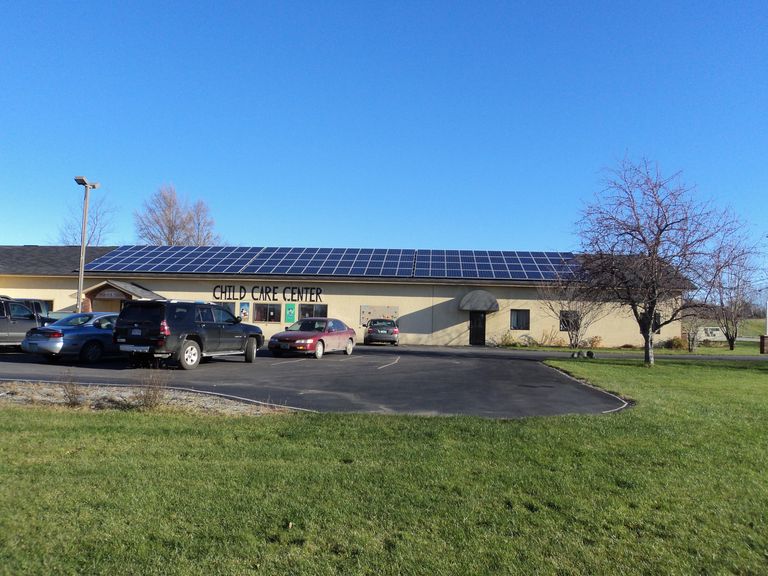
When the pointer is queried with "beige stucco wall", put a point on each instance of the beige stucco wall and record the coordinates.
(428, 313)
(61, 291)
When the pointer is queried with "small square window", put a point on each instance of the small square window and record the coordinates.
(267, 312)
(313, 310)
(519, 319)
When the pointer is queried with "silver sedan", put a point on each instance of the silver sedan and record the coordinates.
(87, 336)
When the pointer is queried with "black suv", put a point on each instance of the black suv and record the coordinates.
(183, 331)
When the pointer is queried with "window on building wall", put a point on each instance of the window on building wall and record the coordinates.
(267, 313)
(229, 306)
(519, 319)
(656, 323)
(313, 310)
(569, 320)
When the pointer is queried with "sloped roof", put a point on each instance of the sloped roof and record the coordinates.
(46, 260)
(131, 288)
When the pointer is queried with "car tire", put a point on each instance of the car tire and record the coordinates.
(250, 350)
(319, 349)
(91, 352)
(189, 357)
(350, 346)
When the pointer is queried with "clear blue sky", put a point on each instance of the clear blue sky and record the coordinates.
(479, 125)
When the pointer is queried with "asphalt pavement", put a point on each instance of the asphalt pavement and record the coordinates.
(374, 379)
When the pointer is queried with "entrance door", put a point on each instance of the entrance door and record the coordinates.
(477, 328)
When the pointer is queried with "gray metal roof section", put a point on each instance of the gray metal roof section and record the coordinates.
(46, 260)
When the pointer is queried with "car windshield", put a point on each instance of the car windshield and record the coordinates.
(385, 323)
(308, 326)
(73, 320)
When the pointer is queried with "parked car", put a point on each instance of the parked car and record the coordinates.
(15, 320)
(382, 330)
(87, 336)
(39, 307)
(314, 336)
(184, 331)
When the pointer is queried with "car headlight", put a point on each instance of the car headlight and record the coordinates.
(273, 339)
(307, 341)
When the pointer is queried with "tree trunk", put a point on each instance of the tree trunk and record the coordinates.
(648, 348)
(731, 342)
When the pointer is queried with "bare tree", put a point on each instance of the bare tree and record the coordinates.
(650, 244)
(733, 289)
(694, 320)
(571, 303)
(166, 220)
(101, 217)
(201, 225)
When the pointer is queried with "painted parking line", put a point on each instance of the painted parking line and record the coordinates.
(390, 364)
(290, 361)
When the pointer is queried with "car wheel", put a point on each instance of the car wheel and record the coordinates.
(366, 342)
(190, 355)
(396, 343)
(319, 349)
(250, 350)
(349, 348)
(91, 352)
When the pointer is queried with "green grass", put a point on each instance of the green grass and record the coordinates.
(752, 328)
(710, 349)
(676, 485)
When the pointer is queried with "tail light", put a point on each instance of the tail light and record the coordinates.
(164, 330)
(53, 334)
(370, 330)
(395, 330)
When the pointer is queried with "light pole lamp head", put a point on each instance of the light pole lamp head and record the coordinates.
(83, 181)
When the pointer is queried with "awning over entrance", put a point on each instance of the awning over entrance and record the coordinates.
(117, 290)
(479, 301)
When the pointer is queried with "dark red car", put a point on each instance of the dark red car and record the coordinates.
(313, 336)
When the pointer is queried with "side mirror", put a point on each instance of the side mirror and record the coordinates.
(238, 319)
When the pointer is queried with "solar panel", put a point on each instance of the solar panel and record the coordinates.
(347, 262)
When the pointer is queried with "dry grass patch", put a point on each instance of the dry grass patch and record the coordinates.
(152, 394)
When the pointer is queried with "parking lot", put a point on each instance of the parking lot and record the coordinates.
(376, 379)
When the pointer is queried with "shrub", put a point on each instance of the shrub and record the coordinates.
(528, 340)
(552, 338)
(675, 343)
(152, 391)
(508, 340)
(593, 342)
(73, 392)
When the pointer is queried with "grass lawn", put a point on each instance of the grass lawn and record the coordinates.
(753, 328)
(676, 485)
(741, 348)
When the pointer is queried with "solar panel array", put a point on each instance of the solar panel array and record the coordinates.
(344, 262)
(493, 264)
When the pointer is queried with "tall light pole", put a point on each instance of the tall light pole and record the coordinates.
(81, 180)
